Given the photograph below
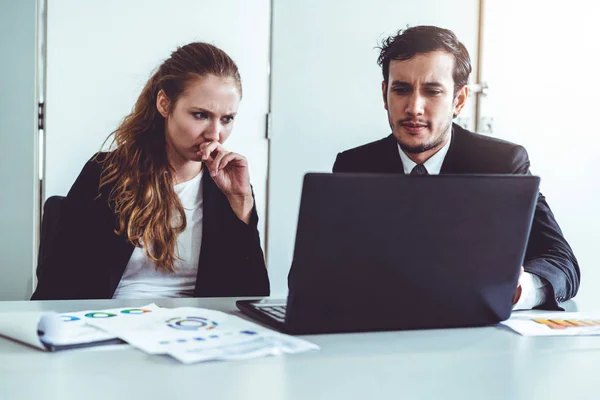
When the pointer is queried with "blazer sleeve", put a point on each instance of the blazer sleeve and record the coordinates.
(60, 271)
(548, 254)
(251, 277)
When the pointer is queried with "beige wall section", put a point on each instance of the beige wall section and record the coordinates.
(18, 148)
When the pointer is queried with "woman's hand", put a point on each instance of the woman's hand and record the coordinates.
(230, 173)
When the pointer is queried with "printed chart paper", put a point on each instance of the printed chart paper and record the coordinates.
(195, 334)
(554, 324)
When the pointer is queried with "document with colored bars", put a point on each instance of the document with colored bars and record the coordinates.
(554, 323)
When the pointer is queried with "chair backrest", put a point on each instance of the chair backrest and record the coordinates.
(49, 228)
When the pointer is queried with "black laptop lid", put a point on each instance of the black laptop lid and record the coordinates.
(379, 252)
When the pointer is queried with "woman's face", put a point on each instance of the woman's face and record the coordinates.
(204, 112)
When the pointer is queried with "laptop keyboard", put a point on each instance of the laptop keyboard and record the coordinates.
(275, 312)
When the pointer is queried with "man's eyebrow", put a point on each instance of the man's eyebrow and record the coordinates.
(400, 83)
(429, 84)
(434, 84)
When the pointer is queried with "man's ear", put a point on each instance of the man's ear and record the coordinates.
(460, 100)
(163, 103)
(384, 93)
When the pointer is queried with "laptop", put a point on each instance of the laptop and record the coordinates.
(377, 252)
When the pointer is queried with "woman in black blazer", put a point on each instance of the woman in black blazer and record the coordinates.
(169, 212)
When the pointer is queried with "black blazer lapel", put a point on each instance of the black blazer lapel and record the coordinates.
(210, 226)
(454, 162)
(390, 161)
(119, 248)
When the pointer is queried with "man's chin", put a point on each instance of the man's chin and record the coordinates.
(415, 147)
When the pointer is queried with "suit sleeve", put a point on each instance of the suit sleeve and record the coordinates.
(340, 164)
(60, 270)
(548, 254)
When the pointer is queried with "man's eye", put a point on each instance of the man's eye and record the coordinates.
(227, 120)
(434, 92)
(400, 90)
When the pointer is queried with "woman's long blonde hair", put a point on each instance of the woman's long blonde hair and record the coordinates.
(143, 197)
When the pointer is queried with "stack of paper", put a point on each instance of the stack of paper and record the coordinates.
(52, 331)
(187, 334)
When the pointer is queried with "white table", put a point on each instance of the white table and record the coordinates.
(473, 363)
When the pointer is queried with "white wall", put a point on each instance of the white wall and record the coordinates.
(326, 94)
(541, 62)
(101, 53)
(18, 147)
(326, 98)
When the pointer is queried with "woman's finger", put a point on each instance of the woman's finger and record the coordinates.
(206, 149)
(221, 154)
(232, 157)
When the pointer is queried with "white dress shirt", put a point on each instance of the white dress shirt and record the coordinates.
(142, 280)
(532, 292)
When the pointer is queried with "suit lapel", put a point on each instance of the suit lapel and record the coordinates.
(454, 160)
(390, 160)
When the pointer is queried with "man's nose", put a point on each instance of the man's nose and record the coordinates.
(416, 104)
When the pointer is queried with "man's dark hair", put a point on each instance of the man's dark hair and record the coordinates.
(423, 39)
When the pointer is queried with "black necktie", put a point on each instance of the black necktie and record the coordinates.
(419, 169)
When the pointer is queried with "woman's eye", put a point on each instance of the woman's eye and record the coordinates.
(200, 115)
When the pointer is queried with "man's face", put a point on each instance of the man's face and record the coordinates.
(419, 98)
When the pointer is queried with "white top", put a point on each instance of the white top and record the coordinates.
(142, 280)
(532, 293)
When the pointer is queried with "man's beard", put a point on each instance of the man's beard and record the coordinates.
(428, 146)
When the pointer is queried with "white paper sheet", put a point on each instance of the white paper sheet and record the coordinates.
(554, 323)
(75, 330)
(243, 346)
(61, 329)
(23, 326)
(194, 334)
(159, 331)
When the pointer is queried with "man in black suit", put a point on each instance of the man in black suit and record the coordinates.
(425, 75)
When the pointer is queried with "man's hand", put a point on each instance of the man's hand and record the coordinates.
(517, 295)
(230, 173)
